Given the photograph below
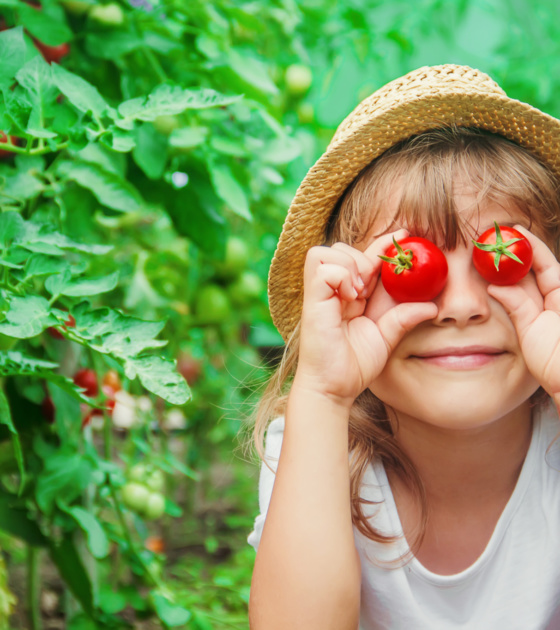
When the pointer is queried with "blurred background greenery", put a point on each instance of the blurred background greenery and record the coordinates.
(216, 184)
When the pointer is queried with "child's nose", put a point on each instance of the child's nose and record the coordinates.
(464, 299)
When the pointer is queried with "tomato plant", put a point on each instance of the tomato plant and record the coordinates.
(413, 270)
(502, 255)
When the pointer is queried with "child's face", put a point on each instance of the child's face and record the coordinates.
(464, 369)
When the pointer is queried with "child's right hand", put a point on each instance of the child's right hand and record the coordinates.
(341, 350)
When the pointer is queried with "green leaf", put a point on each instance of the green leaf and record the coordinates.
(47, 25)
(171, 614)
(16, 363)
(12, 53)
(229, 190)
(65, 476)
(6, 419)
(150, 152)
(65, 556)
(169, 100)
(12, 227)
(193, 212)
(41, 265)
(281, 150)
(36, 77)
(251, 70)
(160, 376)
(110, 189)
(79, 92)
(112, 45)
(15, 520)
(26, 317)
(118, 140)
(97, 540)
(56, 283)
(112, 602)
(42, 238)
(111, 332)
(63, 284)
(22, 186)
(188, 137)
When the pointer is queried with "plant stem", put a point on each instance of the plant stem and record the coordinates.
(33, 588)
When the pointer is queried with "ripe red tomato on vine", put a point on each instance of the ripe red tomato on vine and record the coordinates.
(502, 255)
(87, 380)
(413, 270)
(52, 54)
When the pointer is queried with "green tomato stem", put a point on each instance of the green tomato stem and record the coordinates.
(500, 247)
(403, 259)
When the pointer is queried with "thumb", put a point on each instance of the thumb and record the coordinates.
(399, 320)
(522, 310)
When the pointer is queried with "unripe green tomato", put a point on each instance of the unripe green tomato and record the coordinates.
(135, 496)
(155, 480)
(138, 472)
(306, 113)
(246, 288)
(166, 124)
(212, 305)
(236, 258)
(107, 14)
(298, 79)
(155, 506)
(76, 7)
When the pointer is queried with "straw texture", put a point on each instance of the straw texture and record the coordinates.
(427, 98)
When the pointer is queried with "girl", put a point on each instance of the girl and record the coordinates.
(407, 481)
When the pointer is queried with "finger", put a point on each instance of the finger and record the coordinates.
(364, 265)
(399, 320)
(517, 303)
(330, 280)
(318, 256)
(376, 249)
(545, 265)
(381, 245)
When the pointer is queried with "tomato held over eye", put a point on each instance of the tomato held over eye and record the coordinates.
(414, 270)
(502, 255)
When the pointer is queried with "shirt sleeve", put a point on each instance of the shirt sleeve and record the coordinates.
(273, 446)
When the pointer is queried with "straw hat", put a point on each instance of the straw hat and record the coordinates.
(421, 100)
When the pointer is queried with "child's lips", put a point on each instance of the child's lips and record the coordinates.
(460, 357)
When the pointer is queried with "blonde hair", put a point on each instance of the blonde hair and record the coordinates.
(426, 169)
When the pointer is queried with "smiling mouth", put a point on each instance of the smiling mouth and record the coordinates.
(468, 357)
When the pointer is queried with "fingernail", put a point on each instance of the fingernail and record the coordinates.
(361, 282)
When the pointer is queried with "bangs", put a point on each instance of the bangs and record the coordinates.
(415, 185)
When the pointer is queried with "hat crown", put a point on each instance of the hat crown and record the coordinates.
(437, 80)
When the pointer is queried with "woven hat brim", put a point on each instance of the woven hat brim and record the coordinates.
(327, 180)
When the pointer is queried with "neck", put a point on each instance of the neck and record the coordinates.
(458, 467)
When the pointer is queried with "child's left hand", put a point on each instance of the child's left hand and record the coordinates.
(537, 325)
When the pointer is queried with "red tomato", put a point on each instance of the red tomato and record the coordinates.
(414, 270)
(52, 53)
(48, 410)
(54, 332)
(87, 379)
(502, 255)
(189, 367)
(4, 140)
(156, 544)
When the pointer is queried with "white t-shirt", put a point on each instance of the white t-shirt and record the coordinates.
(513, 585)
